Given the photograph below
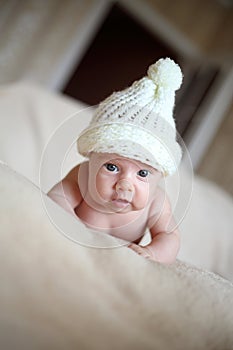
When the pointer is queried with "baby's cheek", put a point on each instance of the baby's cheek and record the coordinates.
(103, 187)
(141, 199)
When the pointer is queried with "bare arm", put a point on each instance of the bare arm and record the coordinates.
(67, 193)
(165, 236)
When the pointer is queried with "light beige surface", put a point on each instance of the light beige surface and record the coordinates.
(217, 164)
(56, 294)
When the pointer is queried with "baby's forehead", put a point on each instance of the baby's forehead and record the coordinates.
(102, 158)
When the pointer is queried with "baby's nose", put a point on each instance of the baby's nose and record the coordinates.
(124, 185)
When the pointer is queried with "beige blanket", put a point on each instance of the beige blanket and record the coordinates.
(57, 294)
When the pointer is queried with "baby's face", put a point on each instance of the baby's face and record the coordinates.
(120, 184)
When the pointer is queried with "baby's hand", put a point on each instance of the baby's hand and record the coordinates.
(143, 251)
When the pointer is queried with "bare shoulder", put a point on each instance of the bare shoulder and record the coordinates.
(160, 200)
(160, 205)
(74, 173)
(75, 182)
(161, 216)
(68, 190)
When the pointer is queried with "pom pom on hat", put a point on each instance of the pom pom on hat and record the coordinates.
(165, 73)
(138, 122)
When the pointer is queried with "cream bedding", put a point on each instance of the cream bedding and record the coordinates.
(57, 294)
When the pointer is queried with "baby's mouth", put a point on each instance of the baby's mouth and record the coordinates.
(120, 203)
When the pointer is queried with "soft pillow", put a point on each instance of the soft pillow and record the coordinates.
(57, 294)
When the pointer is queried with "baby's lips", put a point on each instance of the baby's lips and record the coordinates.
(121, 204)
(124, 196)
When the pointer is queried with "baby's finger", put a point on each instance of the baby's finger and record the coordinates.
(139, 250)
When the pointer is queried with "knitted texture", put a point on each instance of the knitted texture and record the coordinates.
(138, 122)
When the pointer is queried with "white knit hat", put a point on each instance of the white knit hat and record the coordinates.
(138, 122)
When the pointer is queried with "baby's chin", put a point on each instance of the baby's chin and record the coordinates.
(119, 207)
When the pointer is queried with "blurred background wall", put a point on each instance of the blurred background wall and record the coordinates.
(48, 42)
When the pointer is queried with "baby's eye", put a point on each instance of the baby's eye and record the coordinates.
(111, 167)
(143, 173)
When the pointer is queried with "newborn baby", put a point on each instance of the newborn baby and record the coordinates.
(130, 144)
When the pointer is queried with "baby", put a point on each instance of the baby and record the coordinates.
(130, 144)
